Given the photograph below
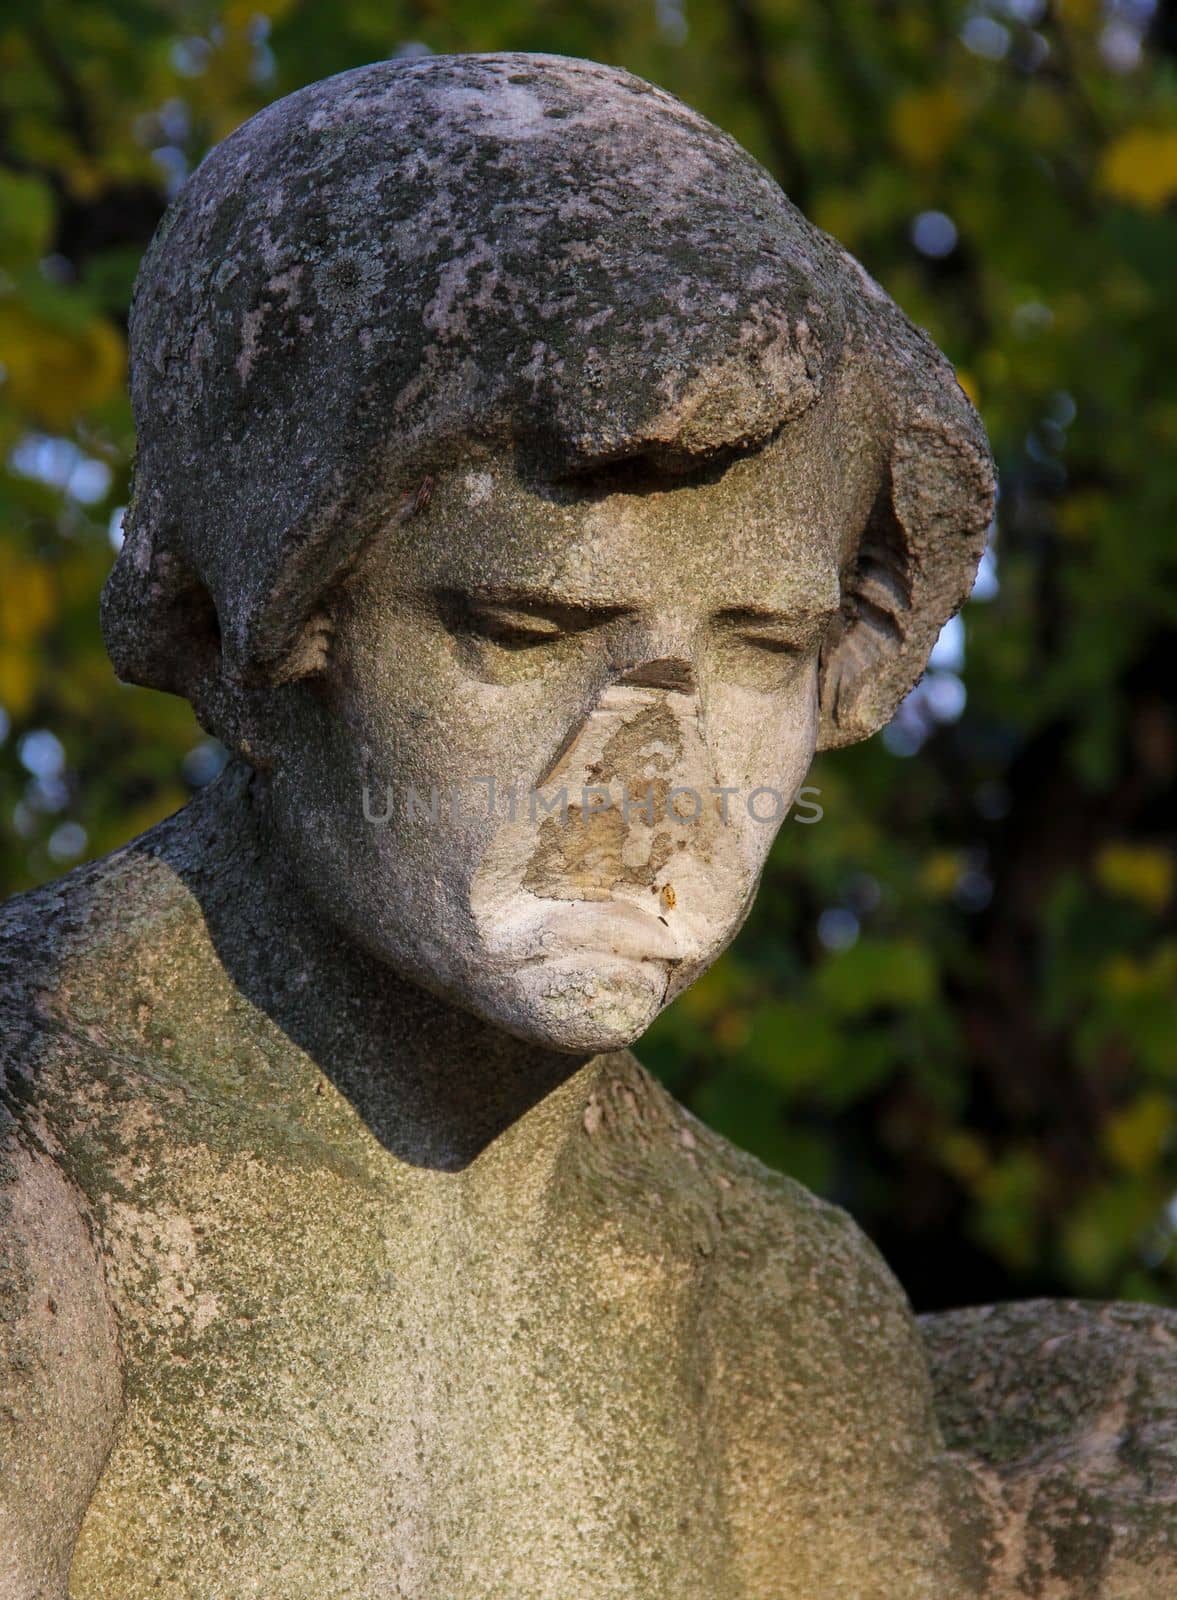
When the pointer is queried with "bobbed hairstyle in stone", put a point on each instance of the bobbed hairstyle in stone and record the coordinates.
(538, 253)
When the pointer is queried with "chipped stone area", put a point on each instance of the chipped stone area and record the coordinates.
(629, 886)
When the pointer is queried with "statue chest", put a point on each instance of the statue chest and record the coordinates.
(337, 1387)
(621, 1373)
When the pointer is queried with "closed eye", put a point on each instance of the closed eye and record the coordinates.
(776, 633)
(519, 623)
(774, 643)
(511, 628)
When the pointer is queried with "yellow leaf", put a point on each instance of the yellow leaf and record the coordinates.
(969, 384)
(238, 15)
(1081, 13)
(941, 872)
(924, 123)
(26, 599)
(56, 374)
(995, 368)
(1124, 978)
(1080, 514)
(1141, 167)
(964, 1154)
(1163, 421)
(1136, 872)
(17, 679)
(839, 212)
(1136, 1137)
(26, 218)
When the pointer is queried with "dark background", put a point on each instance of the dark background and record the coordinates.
(954, 1008)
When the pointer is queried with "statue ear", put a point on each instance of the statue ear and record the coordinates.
(161, 629)
(159, 621)
(913, 569)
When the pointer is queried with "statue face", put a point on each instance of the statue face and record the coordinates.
(559, 726)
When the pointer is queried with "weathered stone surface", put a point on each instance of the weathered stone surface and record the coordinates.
(606, 1354)
(544, 254)
(60, 1368)
(1071, 1411)
(502, 429)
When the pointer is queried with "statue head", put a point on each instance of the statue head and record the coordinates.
(527, 490)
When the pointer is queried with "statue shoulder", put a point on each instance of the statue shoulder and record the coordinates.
(73, 951)
(96, 909)
(818, 1300)
(60, 1370)
(782, 1250)
(1070, 1410)
(818, 1394)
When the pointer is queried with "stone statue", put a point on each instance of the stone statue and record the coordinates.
(525, 490)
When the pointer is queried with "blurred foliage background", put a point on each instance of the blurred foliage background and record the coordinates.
(955, 1007)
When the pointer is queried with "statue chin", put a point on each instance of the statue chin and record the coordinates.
(582, 975)
(583, 1001)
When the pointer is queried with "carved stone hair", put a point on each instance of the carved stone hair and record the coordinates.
(539, 253)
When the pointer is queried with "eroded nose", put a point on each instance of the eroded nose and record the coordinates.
(628, 820)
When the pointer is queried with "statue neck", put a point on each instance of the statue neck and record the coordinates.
(435, 1085)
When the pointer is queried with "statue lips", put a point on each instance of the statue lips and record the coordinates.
(532, 930)
(613, 927)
